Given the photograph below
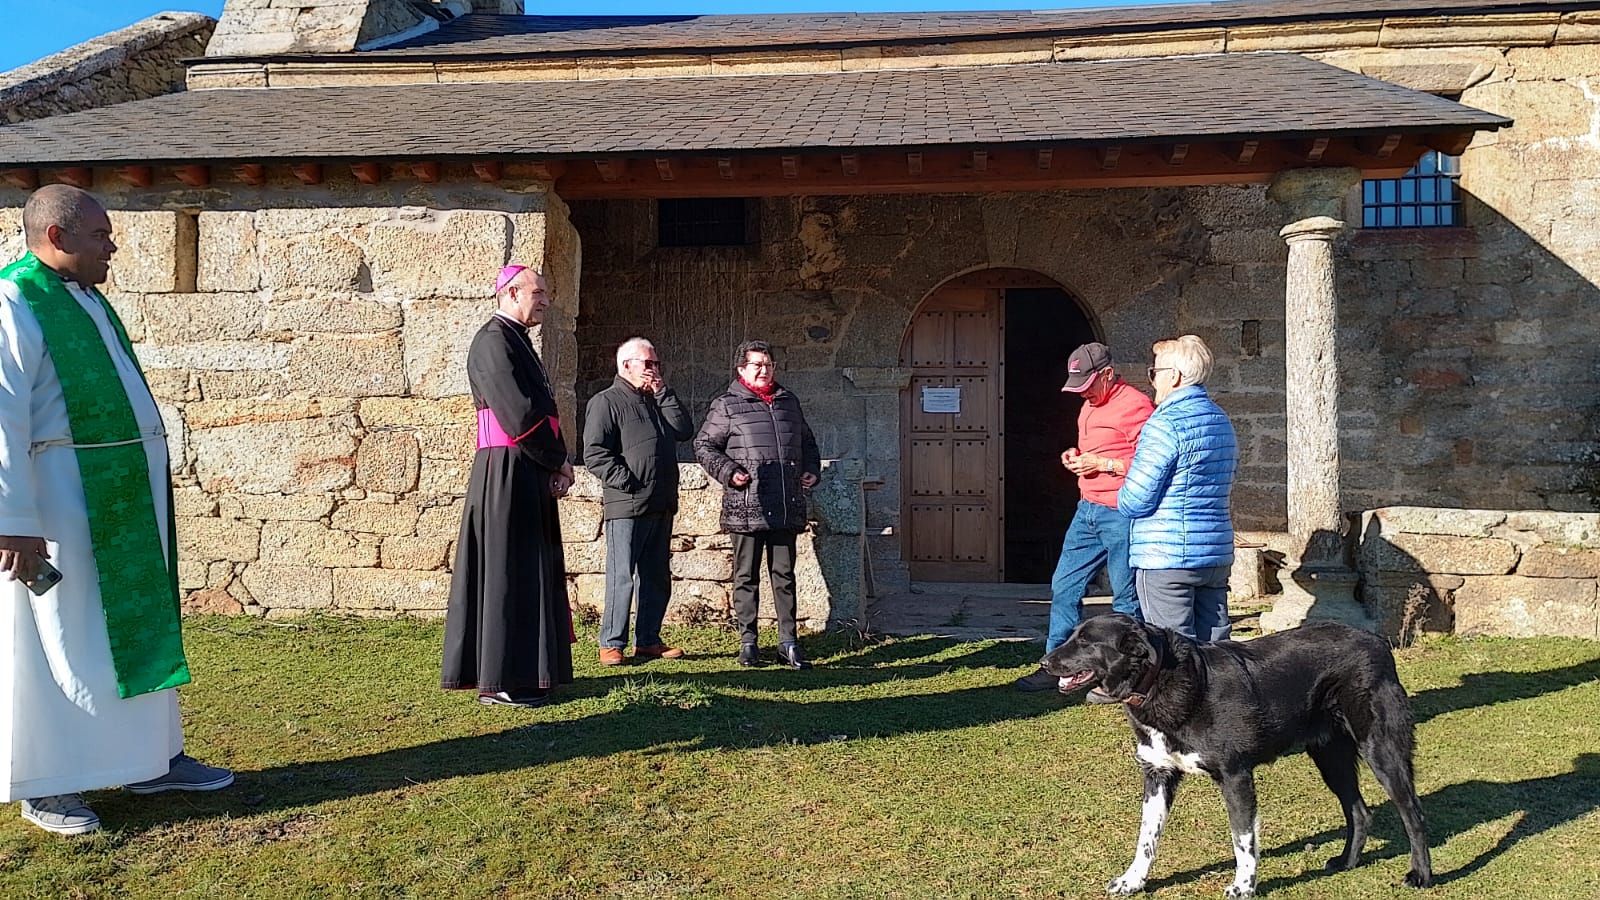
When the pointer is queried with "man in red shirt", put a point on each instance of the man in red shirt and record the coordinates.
(1108, 431)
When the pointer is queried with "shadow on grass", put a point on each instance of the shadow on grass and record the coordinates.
(1540, 804)
(1490, 688)
(729, 722)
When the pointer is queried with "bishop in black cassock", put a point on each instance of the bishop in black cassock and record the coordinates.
(509, 629)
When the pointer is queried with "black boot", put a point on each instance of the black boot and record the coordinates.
(748, 655)
(1039, 680)
(789, 655)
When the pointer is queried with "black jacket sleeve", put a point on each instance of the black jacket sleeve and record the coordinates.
(673, 413)
(711, 444)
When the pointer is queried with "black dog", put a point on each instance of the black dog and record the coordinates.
(1222, 709)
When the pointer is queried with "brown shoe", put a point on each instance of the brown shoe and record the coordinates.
(657, 651)
(610, 656)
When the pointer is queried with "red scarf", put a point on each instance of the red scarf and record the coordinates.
(766, 394)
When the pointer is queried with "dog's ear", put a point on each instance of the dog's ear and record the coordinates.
(1135, 643)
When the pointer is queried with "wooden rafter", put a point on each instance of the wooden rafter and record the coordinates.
(22, 179)
(913, 164)
(77, 176)
(308, 173)
(366, 172)
(194, 175)
(489, 171)
(980, 161)
(426, 172)
(607, 169)
(1110, 156)
(251, 173)
(1044, 158)
(1243, 152)
(1382, 147)
(1316, 148)
(664, 168)
(725, 167)
(1453, 144)
(1175, 154)
(791, 167)
(850, 164)
(137, 176)
(542, 171)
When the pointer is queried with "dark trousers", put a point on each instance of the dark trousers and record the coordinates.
(747, 550)
(1192, 602)
(638, 553)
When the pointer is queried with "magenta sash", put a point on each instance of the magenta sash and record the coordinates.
(490, 434)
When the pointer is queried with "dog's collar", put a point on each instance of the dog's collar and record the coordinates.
(1147, 681)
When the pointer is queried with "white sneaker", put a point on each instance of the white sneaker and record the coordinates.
(61, 814)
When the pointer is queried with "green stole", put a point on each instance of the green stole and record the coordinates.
(138, 589)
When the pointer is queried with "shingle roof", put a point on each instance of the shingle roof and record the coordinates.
(1193, 98)
(492, 35)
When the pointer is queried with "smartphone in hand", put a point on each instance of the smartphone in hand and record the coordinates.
(48, 577)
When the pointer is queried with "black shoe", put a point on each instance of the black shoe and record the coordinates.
(748, 655)
(789, 655)
(501, 698)
(1037, 681)
(1098, 696)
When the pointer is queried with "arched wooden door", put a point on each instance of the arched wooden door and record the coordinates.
(952, 433)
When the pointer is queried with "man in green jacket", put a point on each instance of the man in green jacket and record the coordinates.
(630, 433)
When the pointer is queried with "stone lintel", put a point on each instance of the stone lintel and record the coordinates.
(1304, 36)
(1503, 30)
(878, 379)
(1148, 43)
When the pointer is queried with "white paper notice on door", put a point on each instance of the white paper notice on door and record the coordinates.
(941, 400)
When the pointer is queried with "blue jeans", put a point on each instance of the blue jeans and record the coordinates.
(1097, 537)
(638, 552)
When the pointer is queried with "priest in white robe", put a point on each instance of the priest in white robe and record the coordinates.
(89, 664)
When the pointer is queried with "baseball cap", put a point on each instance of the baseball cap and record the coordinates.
(1083, 363)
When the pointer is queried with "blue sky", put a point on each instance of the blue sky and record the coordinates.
(45, 26)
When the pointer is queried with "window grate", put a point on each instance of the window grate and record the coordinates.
(703, 222)
(1428, 196)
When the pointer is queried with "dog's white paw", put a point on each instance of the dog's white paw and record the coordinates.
(1124, 885)
(1237, 891)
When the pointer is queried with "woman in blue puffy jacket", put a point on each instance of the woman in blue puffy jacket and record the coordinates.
(1177, 495)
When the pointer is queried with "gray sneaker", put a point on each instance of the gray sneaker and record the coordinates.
(186, 774)
(61, 814)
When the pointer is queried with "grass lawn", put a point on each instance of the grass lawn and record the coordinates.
(908, 768)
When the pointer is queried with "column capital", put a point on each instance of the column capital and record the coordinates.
(1316, 228)
(1304, 193)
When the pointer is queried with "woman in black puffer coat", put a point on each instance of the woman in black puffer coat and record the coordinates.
(756, 443)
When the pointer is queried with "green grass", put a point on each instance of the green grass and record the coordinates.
(903, 769)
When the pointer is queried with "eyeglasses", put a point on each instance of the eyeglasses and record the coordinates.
(647, 363)
(1151, 372)
(755, 365)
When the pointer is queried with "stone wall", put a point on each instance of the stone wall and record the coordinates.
(307, 346)
(1474, 572)
(140, 61)
(828, 576)
(1469, 370)
(257, 27)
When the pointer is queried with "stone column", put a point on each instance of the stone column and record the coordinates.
(1311, 392)
(1317, 583)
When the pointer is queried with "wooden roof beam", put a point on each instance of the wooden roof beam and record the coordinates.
(1316, 148)
(1109, 156)
(851, 164)
(1381, 146)
(791, 166)
(23, 179)
(725, 168)
(77, 176)
(1451, 143)
(1175, 154)
(607, 169)
(489, 171)
(913, 163)
(426, 172)
(308, 173)
(664, 168)
(366, 172)
(980, 161)
(1242, 152)
(254, 174)
(137, 176)
(1044, 158)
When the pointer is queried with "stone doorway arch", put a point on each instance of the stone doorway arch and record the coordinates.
(982, 424)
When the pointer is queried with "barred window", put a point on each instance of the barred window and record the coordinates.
(1425, 197)
(705, 222)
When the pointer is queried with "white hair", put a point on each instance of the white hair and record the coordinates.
(1189, 355)
(629, 348)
